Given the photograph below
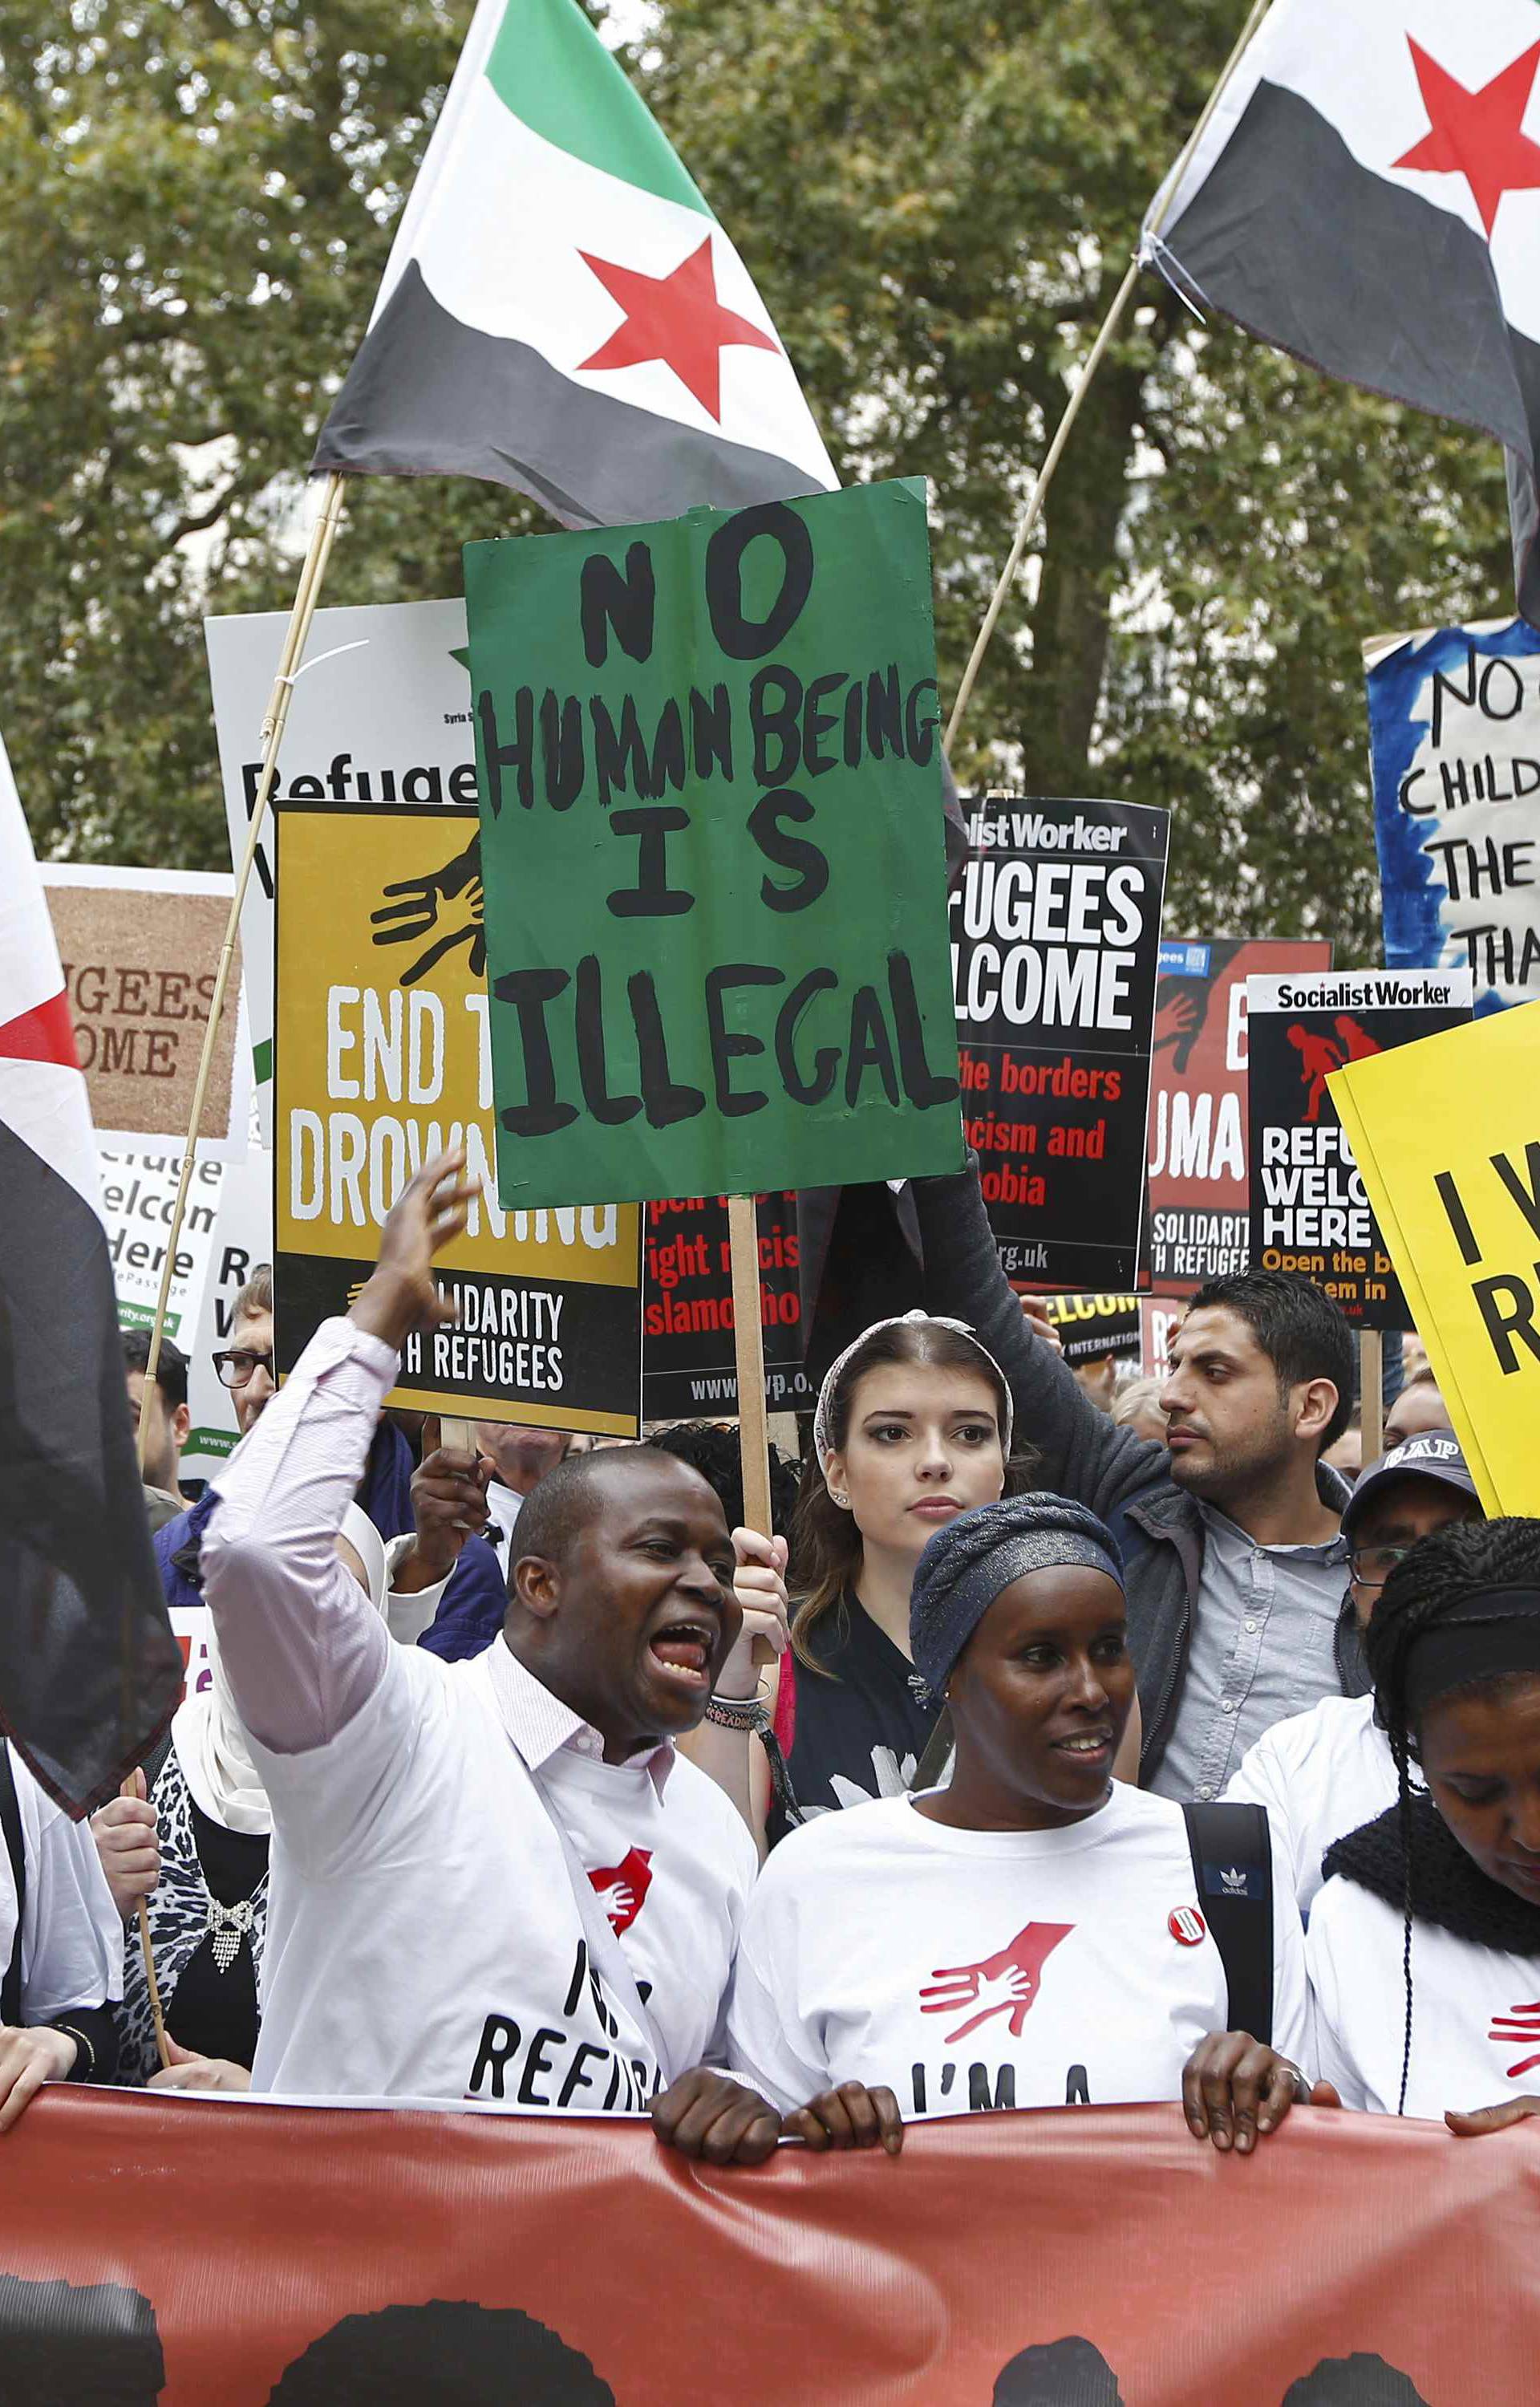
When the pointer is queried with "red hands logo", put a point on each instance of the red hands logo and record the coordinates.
(624, 1887)
(1003, 1984)
(1519, 2023)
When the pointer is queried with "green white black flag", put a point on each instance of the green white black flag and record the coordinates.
(561, 312)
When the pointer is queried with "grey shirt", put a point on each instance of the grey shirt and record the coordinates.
(1261, 1649)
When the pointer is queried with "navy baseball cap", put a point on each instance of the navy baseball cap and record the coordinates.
(1433, 1454)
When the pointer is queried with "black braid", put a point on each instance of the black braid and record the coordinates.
(1426, 1589)
(1403, 1811)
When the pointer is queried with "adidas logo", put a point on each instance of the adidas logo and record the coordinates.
(1233, 1882)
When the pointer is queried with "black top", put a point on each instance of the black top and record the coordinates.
(212, 2012)
(1447, 1888)
(860, 1734)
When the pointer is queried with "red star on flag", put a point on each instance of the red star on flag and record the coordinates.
(1478, 135)
(45, 1033)
(676, 319)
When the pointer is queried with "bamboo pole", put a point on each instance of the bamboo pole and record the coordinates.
(1033, 512)
(162, 2045)
(297, 635)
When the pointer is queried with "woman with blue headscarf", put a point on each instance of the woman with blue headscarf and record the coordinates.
(1030, 1934)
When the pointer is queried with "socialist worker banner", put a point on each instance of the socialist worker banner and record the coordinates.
(201, 2251)
(1055, 932)
(1198, 1194)
(1309, 1208)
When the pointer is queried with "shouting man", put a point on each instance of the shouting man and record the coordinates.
(491, 1879)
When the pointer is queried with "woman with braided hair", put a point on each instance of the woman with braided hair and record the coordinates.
(1029, 1935)
(1425, 1943)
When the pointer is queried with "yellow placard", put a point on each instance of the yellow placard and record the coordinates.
(1447, 1136)
(381, 1060)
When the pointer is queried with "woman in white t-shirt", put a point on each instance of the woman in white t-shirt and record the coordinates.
(1029, 1935)
(1425, 1943)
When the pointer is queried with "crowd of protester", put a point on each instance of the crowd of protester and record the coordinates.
(1061, 1743)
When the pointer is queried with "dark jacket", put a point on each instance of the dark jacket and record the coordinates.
(1081, 1453)
(385, 1493)
(474, 1606)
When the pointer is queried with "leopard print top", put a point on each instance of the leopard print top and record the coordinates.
(178, 1925)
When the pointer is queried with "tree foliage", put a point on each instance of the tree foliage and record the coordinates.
(196, 199)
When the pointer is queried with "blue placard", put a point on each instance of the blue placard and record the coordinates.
(1454, 731)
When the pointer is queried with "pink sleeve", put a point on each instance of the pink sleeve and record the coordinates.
(301, 1646)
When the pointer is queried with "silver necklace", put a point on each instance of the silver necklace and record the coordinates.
(230, 1925)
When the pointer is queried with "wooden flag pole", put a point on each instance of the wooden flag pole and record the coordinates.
(298, 635)
(1099, 351)
(1371, 1394)
(748, 1346)
(156, 2015)
(317, 552)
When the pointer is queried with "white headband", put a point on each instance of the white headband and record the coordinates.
(903, 1321)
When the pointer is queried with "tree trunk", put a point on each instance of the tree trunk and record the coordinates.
(1069, 620)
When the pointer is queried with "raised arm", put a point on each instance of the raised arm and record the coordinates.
(301, 1647)
(1083, 1454)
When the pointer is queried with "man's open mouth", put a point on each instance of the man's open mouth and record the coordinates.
(685, 1651)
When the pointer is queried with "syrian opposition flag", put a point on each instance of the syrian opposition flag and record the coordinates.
(1367, 197)
(89, 1672)
(561, 312)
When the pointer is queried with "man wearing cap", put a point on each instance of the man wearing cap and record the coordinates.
(1327, 1772)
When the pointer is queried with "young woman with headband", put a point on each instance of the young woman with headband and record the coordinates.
(914, 1428)
(1424, 1945)
(1030, 1935)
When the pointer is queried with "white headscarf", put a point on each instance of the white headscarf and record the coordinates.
(821, 1445)
(211, 1746)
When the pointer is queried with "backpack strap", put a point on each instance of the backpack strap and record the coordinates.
(10, 1824)
(1232, 1868)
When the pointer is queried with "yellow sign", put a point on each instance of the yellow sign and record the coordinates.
(1447, 1137)
(383, 1058)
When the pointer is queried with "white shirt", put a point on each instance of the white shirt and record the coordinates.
(423, 1938)
(1319, 1774)
(1475, 2024)
(72, 1938)
(973, 1968)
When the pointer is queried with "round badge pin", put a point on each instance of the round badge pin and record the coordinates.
(1186, 1926)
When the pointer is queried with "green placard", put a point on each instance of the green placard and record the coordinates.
(713, 854)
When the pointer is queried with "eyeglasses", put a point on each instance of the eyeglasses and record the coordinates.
(1372, 1566)
(236, 1366)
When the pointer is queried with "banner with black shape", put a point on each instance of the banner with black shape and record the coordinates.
(1310, 1211)
(1199, 1226)
(688, 1363)
(309, 2256)
(382, 1060)
(1055, 929)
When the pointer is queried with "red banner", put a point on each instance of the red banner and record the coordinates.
(207, 2253)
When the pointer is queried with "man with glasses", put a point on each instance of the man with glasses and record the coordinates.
(246, 1368)
(1327, 1772)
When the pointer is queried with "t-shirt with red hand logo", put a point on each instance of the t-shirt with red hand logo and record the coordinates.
(1476, 2021)
(973, 1968)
